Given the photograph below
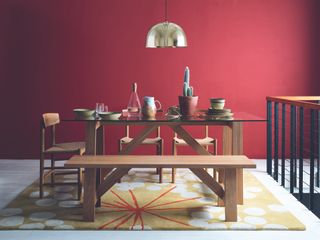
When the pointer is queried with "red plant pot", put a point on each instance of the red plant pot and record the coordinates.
(188, 105)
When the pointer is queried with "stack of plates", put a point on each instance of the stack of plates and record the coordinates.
(219, 113)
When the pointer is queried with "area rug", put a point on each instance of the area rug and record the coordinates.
(140, 203)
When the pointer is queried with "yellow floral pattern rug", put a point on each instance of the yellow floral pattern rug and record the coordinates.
(140, 203)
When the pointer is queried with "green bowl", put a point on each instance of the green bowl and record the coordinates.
(110, 115)
(217, 103)
(83, 112)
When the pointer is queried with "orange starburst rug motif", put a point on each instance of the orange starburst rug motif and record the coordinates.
(132, 213)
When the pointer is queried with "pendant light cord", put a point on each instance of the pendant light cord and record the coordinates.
(166, 10)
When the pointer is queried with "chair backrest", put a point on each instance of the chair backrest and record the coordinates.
(128, 131)
(206, 132)
(48, 120)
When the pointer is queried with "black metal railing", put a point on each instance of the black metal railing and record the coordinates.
(293, 146)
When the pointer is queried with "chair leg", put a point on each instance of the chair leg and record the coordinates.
(160, 175)
(52, 174)
(173, 176)
(207, 148)
(79, 183)
(80, 180)
(161, 148)
(119, 146)
(215, 147)
(41, 179)
(160, 152)
(215, 173)
(119, 150)
(157, 153)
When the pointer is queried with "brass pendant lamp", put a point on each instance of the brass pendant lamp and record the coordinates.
(166, 35)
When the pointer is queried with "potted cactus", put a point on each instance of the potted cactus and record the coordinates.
(187, 102)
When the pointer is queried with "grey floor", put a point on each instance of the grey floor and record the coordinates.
(306, 176)
(15, 175)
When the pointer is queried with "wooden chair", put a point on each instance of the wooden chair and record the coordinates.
(50, 120)
(205, 142)
(158, 141)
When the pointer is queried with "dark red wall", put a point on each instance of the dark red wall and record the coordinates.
(59, 55)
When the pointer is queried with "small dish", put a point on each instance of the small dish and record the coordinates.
(83, 112)
(110, 115)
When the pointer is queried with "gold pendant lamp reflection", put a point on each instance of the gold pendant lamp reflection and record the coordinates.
(166, 35)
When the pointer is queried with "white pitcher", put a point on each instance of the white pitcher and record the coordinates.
(149, 108)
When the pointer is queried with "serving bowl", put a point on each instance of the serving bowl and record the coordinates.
(83, 112)
(110, 115)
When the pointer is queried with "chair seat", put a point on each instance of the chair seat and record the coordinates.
(156, 140)
(68, 147)
(201, 141)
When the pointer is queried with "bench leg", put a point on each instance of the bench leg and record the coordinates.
(89, 195)
(240, 185)
(230, 198)
(207, 179)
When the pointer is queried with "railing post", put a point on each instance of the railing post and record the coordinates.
(283, 145)
(276, 140)
(318, 157)
(301, 125)
(269, 137)
(312, 133)
(292, 147)
(304, 140)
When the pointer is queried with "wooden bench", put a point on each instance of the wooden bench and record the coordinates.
(226, 191)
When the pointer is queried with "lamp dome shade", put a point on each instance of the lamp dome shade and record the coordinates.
(166, 35)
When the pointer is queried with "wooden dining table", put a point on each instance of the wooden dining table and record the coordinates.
(232, 140)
